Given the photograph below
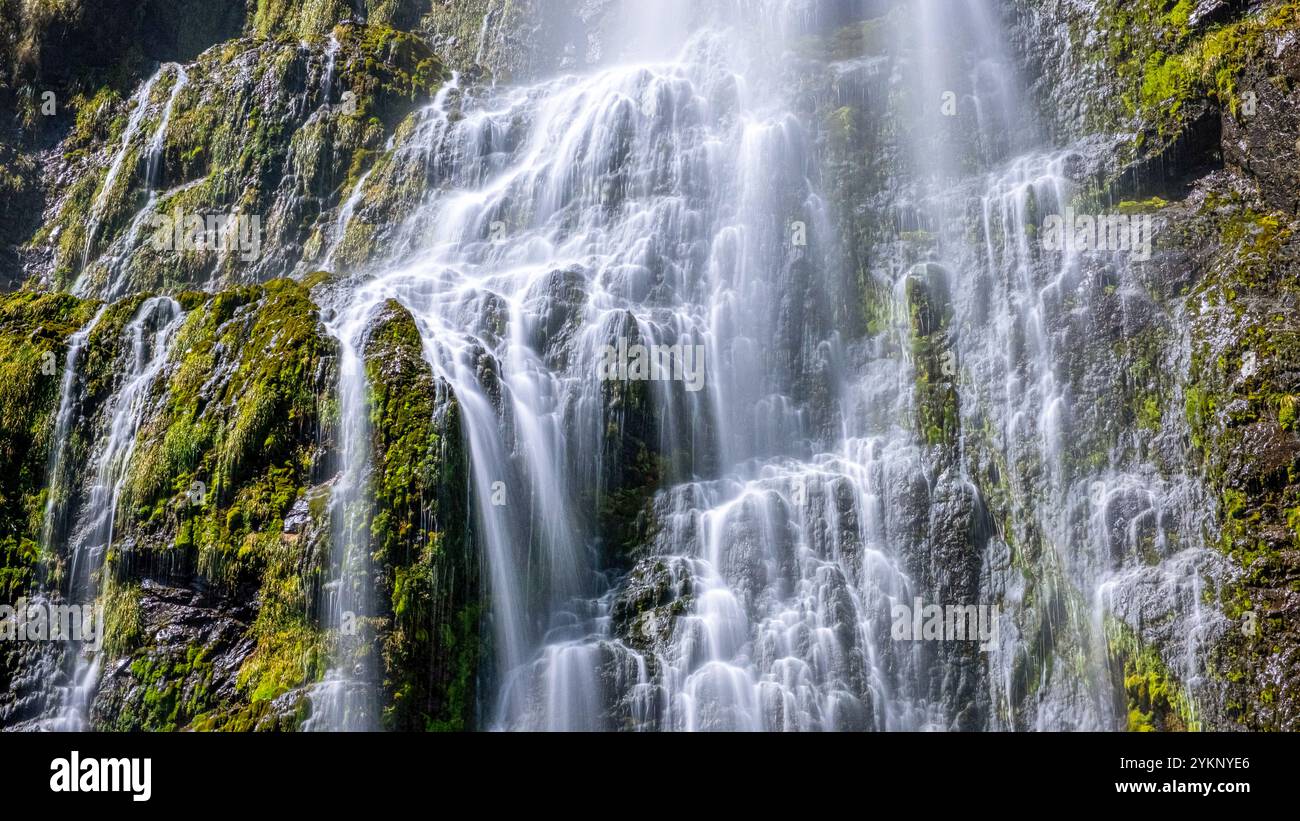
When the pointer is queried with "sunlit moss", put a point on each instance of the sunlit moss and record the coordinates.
(427, 568)
(34, 330)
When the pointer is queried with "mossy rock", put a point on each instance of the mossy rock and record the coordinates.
(425, 563)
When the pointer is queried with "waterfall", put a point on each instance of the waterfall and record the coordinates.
(148, 335)
(56, 469)
(331, 54)
(133, 124)
(1125, 539)
(665, 201)
(1120, 538)
(154, 151)
(651, 201)
(153, 164)
(484, 29)
(345, 216)
(766, 380)
(347, 698)
(433, 125)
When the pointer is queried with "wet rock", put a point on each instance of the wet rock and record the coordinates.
(425, 569)
(1209, 12)
(649, 601)
(195, 647)
(1262, 138)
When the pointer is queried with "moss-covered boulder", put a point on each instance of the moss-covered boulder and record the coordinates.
(426, 565)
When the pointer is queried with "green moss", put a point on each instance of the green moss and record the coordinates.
(232, 447)
(1149, 414)
(402, 417)
(1154, 700)
(237, 132)
(171, 690)
(388, 71)
(98, 120)
(287, 655)
(1240, 413)
(249, 447)
(417, 533)
(123, 622)
(34, 329)
(460, 637)
(68, 230)
(929, 314)
(1146, 206)
(1287, 405)
(1162, 64)
(296, 19)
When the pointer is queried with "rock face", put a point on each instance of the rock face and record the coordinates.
(221, 546)
(426, 565)
(54, 58)
(208, 589)
(255, 127)
(1106, 448)
(1207, 91)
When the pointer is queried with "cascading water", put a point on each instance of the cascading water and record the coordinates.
(751, 332)
(56, 470)
(803, 484)
(154, 156)
(1121, 540)
(153, 159)
(430, 132)
(91, 537)
(331, 55)
(347, 698)
(134, 123)
(1125, 540)
(651, 201)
